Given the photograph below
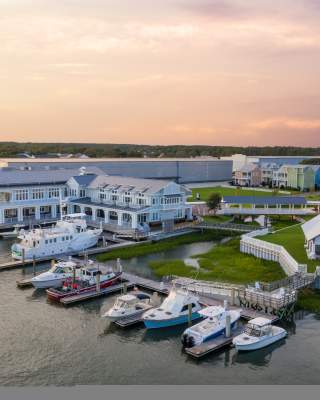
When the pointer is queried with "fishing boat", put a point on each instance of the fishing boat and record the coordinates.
(128, 305)
(87, 280)
(257, 334)
(174, 310)
(12, 234)
(57, 274)
(68, 235)
(212, 326)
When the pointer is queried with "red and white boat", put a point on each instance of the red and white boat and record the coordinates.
(85, 281)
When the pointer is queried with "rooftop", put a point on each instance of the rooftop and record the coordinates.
(311, 228)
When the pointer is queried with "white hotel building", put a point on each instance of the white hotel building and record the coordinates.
(115, 201)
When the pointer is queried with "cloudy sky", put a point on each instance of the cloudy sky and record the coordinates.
(216, 72)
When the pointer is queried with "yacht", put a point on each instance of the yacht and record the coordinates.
(174, 310)
(212, 326)
(55, 277)
(86, 281)
(69, 235)
(258, 333)
(128, 305)
(12, 234)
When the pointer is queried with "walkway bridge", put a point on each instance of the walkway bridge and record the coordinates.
(227, 226)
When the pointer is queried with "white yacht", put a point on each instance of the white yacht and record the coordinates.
(128, 305)
(57, 274)
(12, 234)
(174, 310)
(212, 326)
(71, 234)
(258, 333)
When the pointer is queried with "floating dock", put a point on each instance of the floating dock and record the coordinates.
(247, 314)
(94, 294)
(212, 345)
(130, 321)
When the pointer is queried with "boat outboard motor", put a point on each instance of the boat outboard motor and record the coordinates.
(187, 341)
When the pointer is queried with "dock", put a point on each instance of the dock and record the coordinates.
(212, 345)
(247, 314)
(77, 298)
(130, 321)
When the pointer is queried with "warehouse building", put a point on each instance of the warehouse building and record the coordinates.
(178, 170)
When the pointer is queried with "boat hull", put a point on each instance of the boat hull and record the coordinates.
(182, 319)
(52, 283)
(260, 344)
(57, 295)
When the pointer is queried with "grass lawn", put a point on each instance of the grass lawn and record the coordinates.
(224, 263)
(217, 218)
(162, 245)
(309, 299)
(282, 221)
(292, 239)
(204, 192)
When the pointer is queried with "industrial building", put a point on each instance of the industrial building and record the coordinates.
(178, 170)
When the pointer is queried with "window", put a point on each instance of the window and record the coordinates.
(22, 194)
(54, 192)
(82, 193)
(37, 194)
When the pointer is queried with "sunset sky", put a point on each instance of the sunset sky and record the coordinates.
(216, 72)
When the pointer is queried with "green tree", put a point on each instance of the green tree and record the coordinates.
(213, 201)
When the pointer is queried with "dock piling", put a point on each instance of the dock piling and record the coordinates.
(34, 265)
(98, 282)
(125, 288)
(228, 325)
(189, 314)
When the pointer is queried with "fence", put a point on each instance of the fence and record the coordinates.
(269, 251)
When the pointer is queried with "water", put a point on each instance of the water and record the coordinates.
(46, 344)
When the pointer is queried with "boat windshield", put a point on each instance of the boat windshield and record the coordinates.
(252, 330)
(121, 304)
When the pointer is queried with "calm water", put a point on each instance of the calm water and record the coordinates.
(46, 344)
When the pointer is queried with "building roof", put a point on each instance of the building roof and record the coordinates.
(311, 228)
(265, 200)
(248, 168)
(84, 180)
(16, 177)
(127, 184)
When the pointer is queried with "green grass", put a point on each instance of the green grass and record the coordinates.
(282, 221)
(167, 244)
(224, 263)
(232, 191)
(309, 299)
(292, 239)
(217, 218)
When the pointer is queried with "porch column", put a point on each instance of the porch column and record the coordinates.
(106, 216)
(82, 209)
(1, 216)
(37, 212)
(54, 211)
(120, 218)
(94, 214)
(20, 214)
(134, 222)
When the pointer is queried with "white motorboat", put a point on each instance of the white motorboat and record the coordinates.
(174, 310)
(212, 326)
(128, 305)
(12, 234)
(56, 275)
(69, 235)
(258, 333)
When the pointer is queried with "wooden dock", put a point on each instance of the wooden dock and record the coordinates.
(77, 298)
(130, 321)
(24, 283)
(247, 314)
(212, 345)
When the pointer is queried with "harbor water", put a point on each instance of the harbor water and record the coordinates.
(48, 344)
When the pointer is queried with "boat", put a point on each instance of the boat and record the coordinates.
(55, 277)
(212, 326)
(174, 310)
(128, 305)
(87, 280)
(257, 334)
(68, 235)
(12, 234)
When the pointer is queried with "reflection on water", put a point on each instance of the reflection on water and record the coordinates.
(45, 343)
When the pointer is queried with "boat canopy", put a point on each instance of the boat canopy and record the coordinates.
(212, 311)
(260, 321)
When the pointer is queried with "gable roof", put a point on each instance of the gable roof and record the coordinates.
(311, 228)
(126, 183)
(248, 168)
(17, 177)
(84, 180)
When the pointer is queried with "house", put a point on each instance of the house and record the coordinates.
(311, 230)
(123, 202)
(280, 177)
(27, 195)
(267, 170)
(247, 175)
(301, 177)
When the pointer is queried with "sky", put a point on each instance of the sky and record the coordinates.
(211, 72)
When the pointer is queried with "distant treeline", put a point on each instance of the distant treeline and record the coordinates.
(311, 161)
(12, 149)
